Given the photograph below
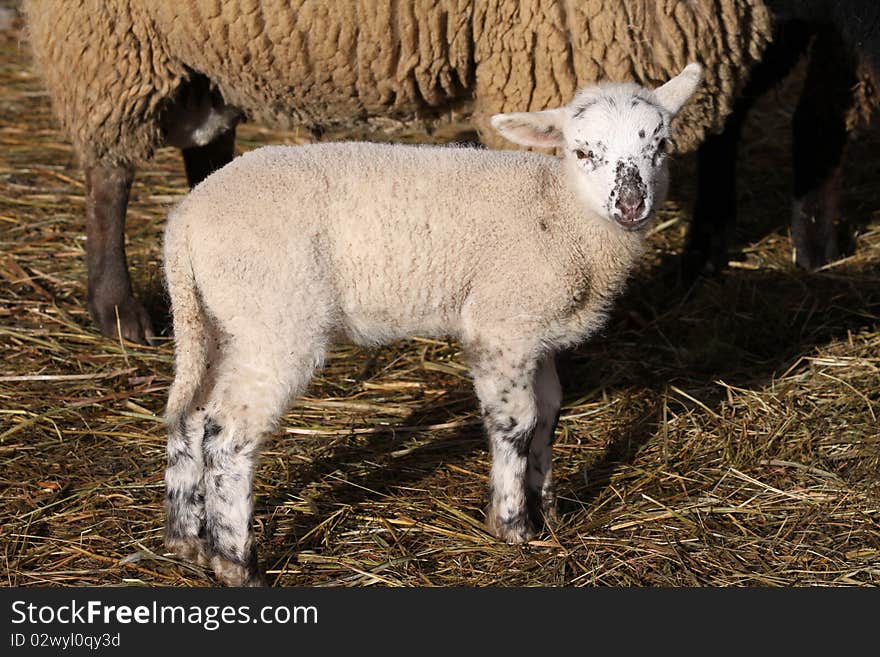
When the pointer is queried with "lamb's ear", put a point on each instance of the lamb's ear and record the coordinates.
(537, 129)
(675, 93)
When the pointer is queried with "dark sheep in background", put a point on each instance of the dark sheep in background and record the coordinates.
(843, 41)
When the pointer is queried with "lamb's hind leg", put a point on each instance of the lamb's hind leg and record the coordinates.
(185, 490)
(504, 381)
(540, 495)
(253, 388)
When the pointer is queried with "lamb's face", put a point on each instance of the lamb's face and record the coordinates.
(615, 143)
(613, 138)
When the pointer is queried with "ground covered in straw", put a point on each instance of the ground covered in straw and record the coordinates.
(721, 435)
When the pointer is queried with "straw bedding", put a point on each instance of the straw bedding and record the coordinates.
(725, 435)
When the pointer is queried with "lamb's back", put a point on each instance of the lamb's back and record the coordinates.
(403, 233)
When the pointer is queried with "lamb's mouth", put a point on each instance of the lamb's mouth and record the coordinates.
(632, 224)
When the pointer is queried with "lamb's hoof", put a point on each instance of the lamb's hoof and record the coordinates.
(542, 508)
(231, 573)
(133, 320)
(191, 549)
(548, 510)
(510, 529)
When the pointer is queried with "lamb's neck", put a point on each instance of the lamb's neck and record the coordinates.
(597, 257)
(604, 248)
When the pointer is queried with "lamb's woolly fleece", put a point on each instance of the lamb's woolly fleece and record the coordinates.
(341, 247)
(111, 66)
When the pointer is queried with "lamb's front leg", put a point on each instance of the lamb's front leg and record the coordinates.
(540, 494)
(504, 381)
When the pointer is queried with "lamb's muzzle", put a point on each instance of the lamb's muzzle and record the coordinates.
(515, 254)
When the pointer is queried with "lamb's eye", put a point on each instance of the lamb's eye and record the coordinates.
(584, 155)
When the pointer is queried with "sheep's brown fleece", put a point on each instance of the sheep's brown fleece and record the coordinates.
(113, 66)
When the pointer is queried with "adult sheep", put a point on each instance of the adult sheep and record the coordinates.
(127, 77)
(839, 94)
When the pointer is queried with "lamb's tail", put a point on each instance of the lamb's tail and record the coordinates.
(190, 329)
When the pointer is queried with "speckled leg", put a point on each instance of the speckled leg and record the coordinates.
(504, 379)
(253, 388)
(185, 491)
(539, 492)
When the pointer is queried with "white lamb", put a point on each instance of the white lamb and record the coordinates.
(515, 254)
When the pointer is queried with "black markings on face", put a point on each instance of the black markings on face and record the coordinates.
(594, 154)
(642, 133)
(583, 108)
(628, 184)
(627, 173)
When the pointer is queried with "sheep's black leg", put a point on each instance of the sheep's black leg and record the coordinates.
(714, 215)
(110, 297)
(504, 380)
(819, 141)
(540, 496)
(201, 161)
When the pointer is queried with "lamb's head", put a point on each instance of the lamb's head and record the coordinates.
(614, 138)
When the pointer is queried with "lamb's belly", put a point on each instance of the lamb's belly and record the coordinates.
(367, 324)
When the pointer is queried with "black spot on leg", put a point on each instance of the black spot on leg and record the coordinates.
(176, 455)
(212, 429)
(219, 491)
(516, 523)
(522, 443)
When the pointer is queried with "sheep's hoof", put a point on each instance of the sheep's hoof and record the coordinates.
(193, 550)
(512, 530)
(231, 573)
(127, 316)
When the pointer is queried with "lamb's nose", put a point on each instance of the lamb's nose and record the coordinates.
(631, 205)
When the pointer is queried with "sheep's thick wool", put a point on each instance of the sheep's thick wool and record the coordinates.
(112, 66)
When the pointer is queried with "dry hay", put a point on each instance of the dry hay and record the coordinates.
(725, 435)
